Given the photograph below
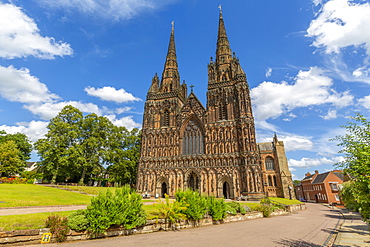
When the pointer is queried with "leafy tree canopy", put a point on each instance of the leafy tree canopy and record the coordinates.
(356, 148)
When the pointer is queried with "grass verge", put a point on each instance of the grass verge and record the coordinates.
(21, 195)
(284, 201)
(26, 221)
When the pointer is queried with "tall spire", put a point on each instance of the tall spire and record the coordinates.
(170, 76)
(223, 51)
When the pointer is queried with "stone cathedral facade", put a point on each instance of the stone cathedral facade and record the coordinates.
(209, 149)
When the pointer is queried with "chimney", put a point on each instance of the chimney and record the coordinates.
(308, 174)
(316, 172)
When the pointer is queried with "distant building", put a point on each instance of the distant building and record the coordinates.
(322, 188)
(30, 166)
(211, 149)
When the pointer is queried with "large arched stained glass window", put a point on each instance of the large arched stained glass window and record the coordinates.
(269, 163)
(193, 141)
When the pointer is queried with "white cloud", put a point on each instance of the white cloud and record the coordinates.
(116, 10)
(365, 102)
(268, 72)
(20, 86)
(312, 87)
(111, 94)
(331, 114)
(339, 24)
(20, 37)
(343, 24)
(123, 109)
(34, 129)
(127, 121)
(47, 111)
(295, 142)
(309, 162)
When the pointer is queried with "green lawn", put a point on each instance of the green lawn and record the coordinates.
(21, 195)
(88, 189)
(284, 201)
(26, 221)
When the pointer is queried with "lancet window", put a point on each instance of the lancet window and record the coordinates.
(193, 140)
(222, 111)
(166, 118)
(269, 162)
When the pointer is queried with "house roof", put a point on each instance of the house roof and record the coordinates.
(320, 178)
(339, 175)
(30, 164)
(308, 177)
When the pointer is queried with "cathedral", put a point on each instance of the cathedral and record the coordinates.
(210, 149)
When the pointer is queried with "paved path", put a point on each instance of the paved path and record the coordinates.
(308, 228)
(353, 231)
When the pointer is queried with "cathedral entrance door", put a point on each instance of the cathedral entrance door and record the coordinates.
(193, 181)
(226, 190)
(164, 189)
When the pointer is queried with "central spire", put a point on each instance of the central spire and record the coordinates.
(223, 51)
(170, 76)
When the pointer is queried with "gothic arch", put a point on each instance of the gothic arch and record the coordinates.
(225, 187)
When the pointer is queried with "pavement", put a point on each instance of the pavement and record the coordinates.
(352, 230)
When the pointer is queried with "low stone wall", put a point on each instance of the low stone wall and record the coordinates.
(22, 237)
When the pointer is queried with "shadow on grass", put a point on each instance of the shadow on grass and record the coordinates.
(295, 243)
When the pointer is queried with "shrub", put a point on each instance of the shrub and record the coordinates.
(77, 221)
(171, 212)
(195, 205)
(235, 208)
(216, 208)
(124, 208)
(58, 227)
(267, 207)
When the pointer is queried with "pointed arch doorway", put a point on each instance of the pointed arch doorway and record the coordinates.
(164, 190)
(193, 182)
(226, 190)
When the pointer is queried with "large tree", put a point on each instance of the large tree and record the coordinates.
(124, 155)
(11, 162)
(58, 151)
(77, 147)
(21, 141)
(356, 148)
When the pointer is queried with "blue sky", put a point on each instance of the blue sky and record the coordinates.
(307, 63)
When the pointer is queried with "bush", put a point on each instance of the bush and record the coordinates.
(237, 208)
(195, 205)
(267, 207)
(58, 227)
(171, 212)
(216, 208)
(77, 221)
(124, 208)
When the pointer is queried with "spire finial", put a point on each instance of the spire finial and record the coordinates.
(191, 88)
(173, 25)
(220, 7)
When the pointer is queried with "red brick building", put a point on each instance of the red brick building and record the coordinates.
(323, 188)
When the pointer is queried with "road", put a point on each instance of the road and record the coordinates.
(308, 228)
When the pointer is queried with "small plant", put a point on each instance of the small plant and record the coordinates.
(216, 208)
(171, 212)
(77, 221)
(195, 204)
(58, 227)
(267, 207)
(235, 207)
